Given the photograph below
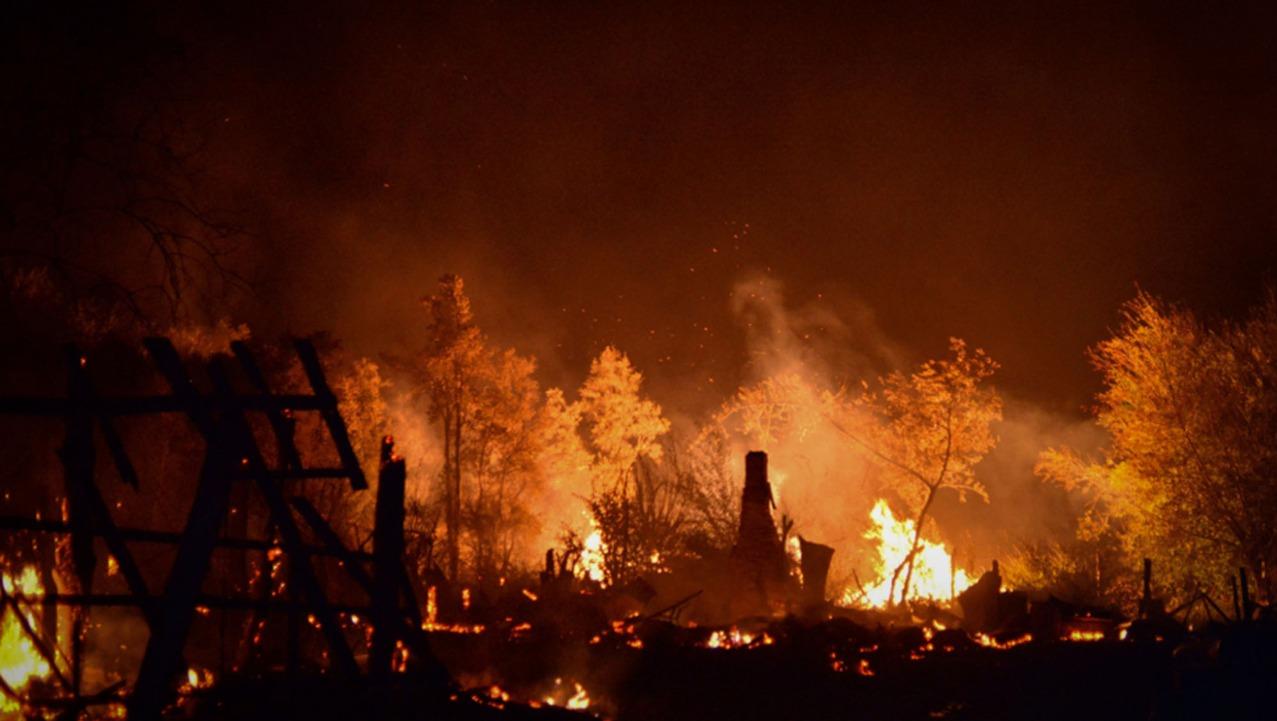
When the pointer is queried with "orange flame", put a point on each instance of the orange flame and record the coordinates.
(934, 574)
(20, 662)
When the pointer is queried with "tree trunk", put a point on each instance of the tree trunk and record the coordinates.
(907, 564)
(454, 500)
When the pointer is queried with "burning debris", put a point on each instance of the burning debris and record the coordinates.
(569, 641)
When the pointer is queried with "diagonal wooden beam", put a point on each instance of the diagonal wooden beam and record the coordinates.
(332, 418)
(282, 425)
(300, 570)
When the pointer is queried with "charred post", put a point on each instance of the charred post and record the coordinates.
(388, 549)
(816, 558)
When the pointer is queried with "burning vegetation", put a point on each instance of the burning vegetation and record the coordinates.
(202, 541)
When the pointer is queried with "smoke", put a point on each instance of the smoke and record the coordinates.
(823, 481)
(834, 336)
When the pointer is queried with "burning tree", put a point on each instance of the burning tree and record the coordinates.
(1192, 410)
(927, 430)
(454, 352)
(624, 427)
(488, 407)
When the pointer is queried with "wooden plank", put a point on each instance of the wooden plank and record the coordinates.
(154, 686)
(205, 600)
(332, 418)
(141, 535)
(147, 405)
(282, 426)
(332, 542)
(153, 689)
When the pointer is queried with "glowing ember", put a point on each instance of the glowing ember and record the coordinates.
(432, 605)
(197, 679)
(1081, 635)
(20, 662)
(990, 642)
(579, 700)
(933, 570)
(736, 638)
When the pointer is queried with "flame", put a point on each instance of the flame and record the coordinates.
(20, 662)
(431, 621)
(196, 679)
(432, 605)
(592, 550)
(735, 638)
(578, 701)
(933, 571)
(1080, 635)
(991, 642)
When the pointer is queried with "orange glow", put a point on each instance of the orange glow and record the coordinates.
(933, 570)
(20, 662)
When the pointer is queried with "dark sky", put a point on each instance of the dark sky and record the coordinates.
(608, 174)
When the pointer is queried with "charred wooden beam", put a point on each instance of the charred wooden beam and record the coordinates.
(141, 535)
(202, 600)
(282, 425)
(336, 426)
(148, 405)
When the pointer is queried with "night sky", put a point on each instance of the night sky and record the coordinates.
(609, 174)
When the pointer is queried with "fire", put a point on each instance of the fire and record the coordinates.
(20, 661)
(432, 605)
(197, 679)
(1082, 635)
(934, 575)
(578, 701)
(736, 638)
(991, 642)
(592, 550)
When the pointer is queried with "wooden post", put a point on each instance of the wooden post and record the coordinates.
(388, 550)
(1237, 604)
(163, 654)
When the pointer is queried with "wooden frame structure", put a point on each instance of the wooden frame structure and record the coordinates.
(232, 456)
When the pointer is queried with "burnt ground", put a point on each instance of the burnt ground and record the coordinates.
(1226, 675)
